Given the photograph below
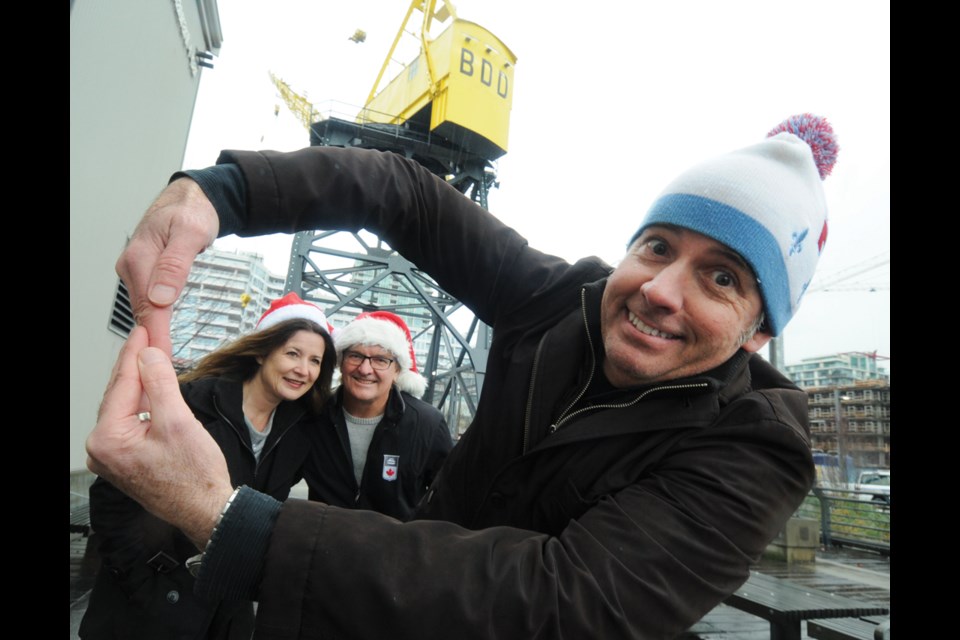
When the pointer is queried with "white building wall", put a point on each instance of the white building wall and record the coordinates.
(132, 92)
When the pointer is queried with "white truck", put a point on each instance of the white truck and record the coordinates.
(874, 485)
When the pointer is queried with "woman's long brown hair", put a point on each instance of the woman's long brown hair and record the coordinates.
(238, 359)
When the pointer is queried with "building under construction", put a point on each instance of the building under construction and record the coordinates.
(849, 402)
(853, 422)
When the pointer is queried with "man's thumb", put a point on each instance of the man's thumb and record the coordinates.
(170, 273)
(163, 295)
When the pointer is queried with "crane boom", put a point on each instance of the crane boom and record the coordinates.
(305, 112)
(831, 282)
(425, 29)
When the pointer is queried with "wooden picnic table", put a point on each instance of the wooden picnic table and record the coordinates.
(786, 604)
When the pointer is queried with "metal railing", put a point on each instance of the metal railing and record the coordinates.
(859, 519)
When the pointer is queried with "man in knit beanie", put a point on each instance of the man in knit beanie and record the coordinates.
(722, 258)
(378, 446)
(631, 455)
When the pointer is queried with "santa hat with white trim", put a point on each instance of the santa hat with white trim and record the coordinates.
(292, 307)
(765, 202)
(389, 331)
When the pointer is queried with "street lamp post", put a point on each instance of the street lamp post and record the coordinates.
(841, 435)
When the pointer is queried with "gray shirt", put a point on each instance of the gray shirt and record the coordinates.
(360, 431)
(257, 438)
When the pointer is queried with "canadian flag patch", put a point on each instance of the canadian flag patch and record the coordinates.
(390, 467)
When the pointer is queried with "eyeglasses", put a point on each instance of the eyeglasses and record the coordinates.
(379, 363)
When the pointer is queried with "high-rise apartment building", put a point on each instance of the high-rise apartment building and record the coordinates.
(226, 294)
(836, 370)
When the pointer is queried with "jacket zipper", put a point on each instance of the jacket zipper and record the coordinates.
(564, 417)
(376, 432)
(622, 405)
(264, 453)
(593, 359)
(533, 374)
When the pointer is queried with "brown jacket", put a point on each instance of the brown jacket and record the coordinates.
(561, 513)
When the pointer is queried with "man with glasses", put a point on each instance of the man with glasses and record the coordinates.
(378, 445)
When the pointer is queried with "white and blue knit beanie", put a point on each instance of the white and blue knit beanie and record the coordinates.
(765, 202)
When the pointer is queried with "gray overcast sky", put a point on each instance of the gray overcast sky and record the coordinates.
(609, 105)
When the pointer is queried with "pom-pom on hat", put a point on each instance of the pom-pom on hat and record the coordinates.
(765, 202)
(387, 330)
(291, 307)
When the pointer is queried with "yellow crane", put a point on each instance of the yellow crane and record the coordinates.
(460, 86)
(305, 112)
(459, 89)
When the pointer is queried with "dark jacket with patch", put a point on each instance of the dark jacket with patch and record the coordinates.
(407, 449)
(561, 512)
(143, 591)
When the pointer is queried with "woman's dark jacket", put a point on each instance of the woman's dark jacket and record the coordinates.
(407, 449)
(143, 591)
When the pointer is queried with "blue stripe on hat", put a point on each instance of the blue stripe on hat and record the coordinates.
(739, 231)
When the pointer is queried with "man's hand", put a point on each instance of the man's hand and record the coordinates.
(180, 224)
(168, 463)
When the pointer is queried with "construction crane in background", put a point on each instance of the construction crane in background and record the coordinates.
(872, 355)
(840, 281)
(299, 106)
(448, 109)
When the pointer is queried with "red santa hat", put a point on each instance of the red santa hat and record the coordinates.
(292, 307)
(387, 330)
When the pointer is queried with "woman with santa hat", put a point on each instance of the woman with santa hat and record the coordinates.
(258, 396)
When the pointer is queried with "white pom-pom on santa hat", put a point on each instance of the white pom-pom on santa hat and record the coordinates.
(387, 330)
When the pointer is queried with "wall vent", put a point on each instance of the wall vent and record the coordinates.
(121, 320)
